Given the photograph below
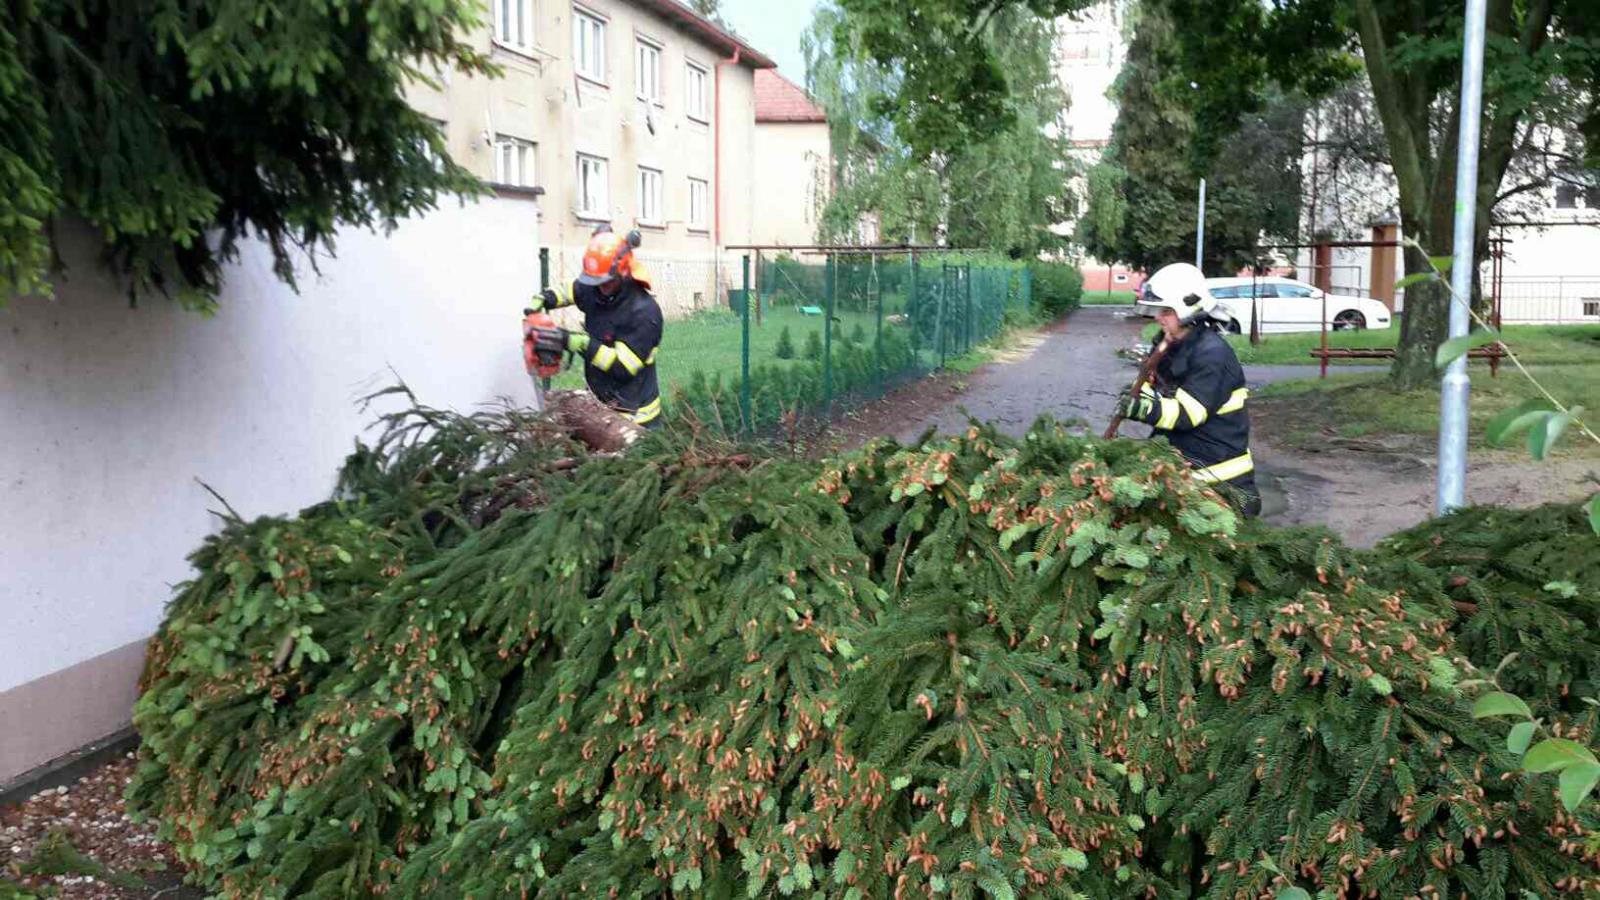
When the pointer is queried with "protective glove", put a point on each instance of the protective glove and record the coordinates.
(560, 340)
(1139, 407)
(545, 299)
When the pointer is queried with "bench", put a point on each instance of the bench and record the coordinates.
(1493, 353)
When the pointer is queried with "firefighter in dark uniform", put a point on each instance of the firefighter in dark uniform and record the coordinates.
(621, 327)
(1198, 400)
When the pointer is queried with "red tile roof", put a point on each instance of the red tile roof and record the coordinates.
(682, 16)
(780, 100)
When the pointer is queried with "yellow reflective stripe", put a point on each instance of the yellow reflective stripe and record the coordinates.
(604, 357)
(1169, 414)
(629, 359)
(1227, 470)
(564, 299)
(1235, 402)
(647, 412)
(651, 359)
(1195, 409)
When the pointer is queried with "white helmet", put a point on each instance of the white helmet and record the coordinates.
(1181, 288)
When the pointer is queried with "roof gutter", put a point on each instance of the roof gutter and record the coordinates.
(716, 146)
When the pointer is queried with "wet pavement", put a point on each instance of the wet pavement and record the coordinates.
(1075, 374)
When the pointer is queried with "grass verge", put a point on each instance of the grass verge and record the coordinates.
(1544, 344)
(1107, 298)
(1565, 359)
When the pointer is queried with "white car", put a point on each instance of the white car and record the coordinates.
(1285, 305)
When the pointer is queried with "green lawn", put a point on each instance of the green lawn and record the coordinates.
(1546, 344)
(1108, 298)
(709, 342)
(1565, 359)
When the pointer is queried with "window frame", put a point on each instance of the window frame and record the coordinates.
(640, 45)
(585, 211)
(702, 223)
(527, 10)
(580, 18)
(659, 201)
(527, 161)
(698, 111)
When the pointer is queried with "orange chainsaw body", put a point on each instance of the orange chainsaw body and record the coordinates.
(540, 365)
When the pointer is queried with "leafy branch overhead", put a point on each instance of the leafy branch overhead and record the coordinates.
(952, 88)
(177, 130)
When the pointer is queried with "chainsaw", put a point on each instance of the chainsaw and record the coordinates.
(542, 365)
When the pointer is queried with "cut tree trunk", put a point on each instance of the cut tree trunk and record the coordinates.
(600, 428)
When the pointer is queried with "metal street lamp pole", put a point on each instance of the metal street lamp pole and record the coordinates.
(1200, 230)
(1452, 486)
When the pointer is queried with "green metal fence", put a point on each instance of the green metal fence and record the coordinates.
(842, 328)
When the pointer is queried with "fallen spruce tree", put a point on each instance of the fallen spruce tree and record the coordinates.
(975, 667)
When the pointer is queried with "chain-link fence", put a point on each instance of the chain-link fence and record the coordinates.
(845, 327)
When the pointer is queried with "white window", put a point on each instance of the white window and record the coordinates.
(649, 196)
(589, 46)
(513, 161)
(513, 23)
(594, 194)
(699, 202)
(647, 71)
(1591, 307)
(695, 79)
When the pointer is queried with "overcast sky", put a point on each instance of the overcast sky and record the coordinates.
(773, 27)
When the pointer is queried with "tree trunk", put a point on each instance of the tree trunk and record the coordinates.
(598, 426)
(1423, 325)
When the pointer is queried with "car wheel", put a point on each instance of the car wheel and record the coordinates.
(1349, 320)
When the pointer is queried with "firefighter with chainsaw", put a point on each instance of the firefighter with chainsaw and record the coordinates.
(1197, 401)
(621, 328)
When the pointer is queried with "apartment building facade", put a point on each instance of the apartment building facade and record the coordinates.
(632, 113)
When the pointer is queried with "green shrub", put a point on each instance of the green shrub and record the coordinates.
(1057, 288)
(785, 348)
(813, 346)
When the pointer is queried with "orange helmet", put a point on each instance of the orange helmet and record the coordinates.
(608, 256)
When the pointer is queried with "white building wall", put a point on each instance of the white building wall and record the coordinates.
(112, 415)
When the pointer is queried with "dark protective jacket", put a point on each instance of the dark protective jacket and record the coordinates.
(624, 334)
(1200, 397)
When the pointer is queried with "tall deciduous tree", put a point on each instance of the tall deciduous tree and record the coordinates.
(1538, 54)
(1000, 191)
(1143, 195)
(176, 129)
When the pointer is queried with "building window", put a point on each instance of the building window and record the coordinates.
(1120, 278)
(513, 161)
(647, 68)
(695, 100)
(1567, 196)
(699, 203)
(649, 196)
(589, 43)
(1591, 307)
(594, 195)
(513, 23)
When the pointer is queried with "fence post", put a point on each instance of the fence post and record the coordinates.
(967, 331)
(877, 342)
(914, 310)
(830, 275)
(744, 353)
(938, 319)
(544, 268)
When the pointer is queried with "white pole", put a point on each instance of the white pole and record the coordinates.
(1452, 487)
(1200, 230)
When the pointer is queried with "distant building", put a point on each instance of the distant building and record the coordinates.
(793, 162)
(1090, 51)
